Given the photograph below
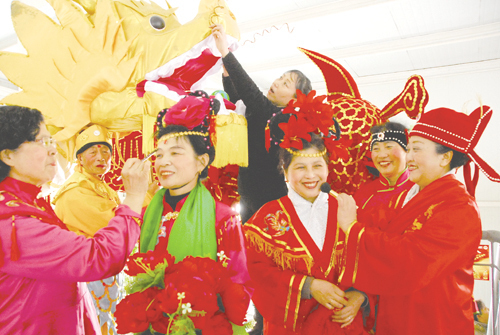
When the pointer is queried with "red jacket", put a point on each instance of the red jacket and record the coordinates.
(421, 266)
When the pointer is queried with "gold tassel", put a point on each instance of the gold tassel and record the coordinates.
(148, 128)
(283, 259)
(232, 140)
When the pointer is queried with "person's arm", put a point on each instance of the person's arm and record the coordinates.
(278, 292)
(402, 264)
(244, 87)
(48, 252)
(231, 250)
(229, 88)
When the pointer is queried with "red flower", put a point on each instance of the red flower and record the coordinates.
(338, 149)
(188, 112)
(311, 115)
(167, 299)
(138, 262)
(306, 103)
(235, 300)
(131, 313)
(218, 325)
(295, 131)
(187, 293)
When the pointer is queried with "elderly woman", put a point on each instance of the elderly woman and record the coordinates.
(42, 264)
(421, 266)
(388, 151)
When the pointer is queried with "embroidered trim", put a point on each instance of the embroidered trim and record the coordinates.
(299, 293)
(283, 259)
(287, 306)
(297, 236)
(357, 256)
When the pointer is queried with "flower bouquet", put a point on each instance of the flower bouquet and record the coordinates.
(177, 298)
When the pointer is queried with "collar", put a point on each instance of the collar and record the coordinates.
(415, 189)
(402, 178)
(299, 201)
(84, 172)
(24, 191)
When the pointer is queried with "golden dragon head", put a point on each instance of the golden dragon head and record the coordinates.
(115, 63)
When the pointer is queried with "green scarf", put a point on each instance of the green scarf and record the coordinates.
(193, 233)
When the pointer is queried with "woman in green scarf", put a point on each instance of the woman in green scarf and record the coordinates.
(183, 217)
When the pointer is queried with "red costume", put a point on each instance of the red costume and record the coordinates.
(372, 199)
(230, 240)
(281, 255)
(422, 265)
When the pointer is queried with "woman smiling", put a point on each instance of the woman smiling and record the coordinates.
(421, 265)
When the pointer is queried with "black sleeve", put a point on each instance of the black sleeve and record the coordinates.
(229, 89)
(245, 87)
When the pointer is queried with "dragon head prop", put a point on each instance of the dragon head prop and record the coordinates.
(356, 116)
(115, 63)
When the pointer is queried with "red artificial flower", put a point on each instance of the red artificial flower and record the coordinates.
(188, 112)
(131, 312)
(338, 149)
(218, 325)
(295, 131)
(161, 325)
(235, 300)
(139, 262)
(167, 299)
(305, 103)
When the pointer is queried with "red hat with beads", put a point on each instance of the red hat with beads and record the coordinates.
(460, 132)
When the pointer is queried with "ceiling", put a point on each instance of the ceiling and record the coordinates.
(374, 39)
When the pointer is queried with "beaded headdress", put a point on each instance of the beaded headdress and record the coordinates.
(298, 120)
(194, 112)
(212, 118)
(398, 136)
(460, 132)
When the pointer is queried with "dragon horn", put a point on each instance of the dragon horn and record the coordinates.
(412, 100)
(88, 5)
(339, 82)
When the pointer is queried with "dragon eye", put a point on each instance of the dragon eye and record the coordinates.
(157, 22)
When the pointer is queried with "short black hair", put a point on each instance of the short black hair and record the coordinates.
(17, 125)
(457, 160)
(303, 83)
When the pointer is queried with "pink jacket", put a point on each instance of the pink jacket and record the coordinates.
(44, 291)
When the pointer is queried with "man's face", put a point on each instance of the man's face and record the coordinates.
(96, 160)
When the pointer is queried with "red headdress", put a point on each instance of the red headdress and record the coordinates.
(213, 119)
(301, 118)
(460, 132)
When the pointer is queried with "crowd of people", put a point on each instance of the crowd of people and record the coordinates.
(395, 258)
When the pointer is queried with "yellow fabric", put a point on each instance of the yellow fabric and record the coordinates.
(85, 69)
(85, 204)
(92, 134)
(231, 144)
